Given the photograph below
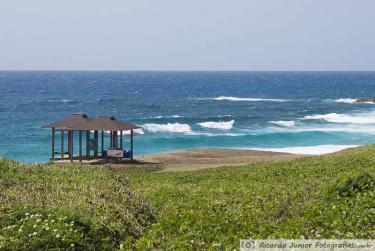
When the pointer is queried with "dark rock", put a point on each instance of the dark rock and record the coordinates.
(365, 100)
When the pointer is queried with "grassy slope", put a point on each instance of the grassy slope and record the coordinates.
(303, 198)
(44, 206)
(310, 197)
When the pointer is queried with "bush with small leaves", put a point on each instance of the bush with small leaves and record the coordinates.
(85, 206)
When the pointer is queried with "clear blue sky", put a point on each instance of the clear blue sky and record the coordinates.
(187, 34)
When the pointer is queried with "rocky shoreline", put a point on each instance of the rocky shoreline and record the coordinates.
(365, 100)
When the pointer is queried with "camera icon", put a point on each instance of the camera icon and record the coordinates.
(247, 245)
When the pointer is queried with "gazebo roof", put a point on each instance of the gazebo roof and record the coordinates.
(76, 121)
(111, 124)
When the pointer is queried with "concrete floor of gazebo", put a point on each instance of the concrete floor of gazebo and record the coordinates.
(94, 161)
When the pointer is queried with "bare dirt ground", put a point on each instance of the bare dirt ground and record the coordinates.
(196, 159)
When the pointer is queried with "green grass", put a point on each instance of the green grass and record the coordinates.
(303, 198)
(68, 206)
(330, 196)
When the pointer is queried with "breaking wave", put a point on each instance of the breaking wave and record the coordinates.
(70, 101)
(346, 129)
(208, 134)
(343, 118)
(172, 116)
(168, 128)
(311, 150)
(224, 125)
(228, 98)
(136, 131)
(346, 100)
(351, 101)
(286, 123)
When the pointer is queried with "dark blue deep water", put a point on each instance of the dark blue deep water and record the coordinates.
(311, 112)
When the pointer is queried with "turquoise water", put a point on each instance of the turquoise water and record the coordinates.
(307, 112)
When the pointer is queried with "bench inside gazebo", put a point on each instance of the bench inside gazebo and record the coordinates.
(91, 131)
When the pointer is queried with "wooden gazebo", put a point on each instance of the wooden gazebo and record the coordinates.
(84, 125)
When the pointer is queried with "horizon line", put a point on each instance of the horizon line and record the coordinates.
(86, 70)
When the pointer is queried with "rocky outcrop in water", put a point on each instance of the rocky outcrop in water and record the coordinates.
(365, 100)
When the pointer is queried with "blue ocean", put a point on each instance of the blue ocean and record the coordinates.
(298, 112)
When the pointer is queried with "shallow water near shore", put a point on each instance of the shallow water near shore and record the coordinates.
(308, 112)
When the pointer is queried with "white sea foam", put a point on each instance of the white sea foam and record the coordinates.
(136, 131)
(228, 98)
(286, 123)
(231, 134)
(68, 101)
(368, 118)
(347, 128)
(172, 116)
(313, 150)
(209, 134)
(168, 128)
(351, 101)
(346, 100)
(224, 125)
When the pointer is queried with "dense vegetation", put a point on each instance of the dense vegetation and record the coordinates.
(330, 196)
(68, 206)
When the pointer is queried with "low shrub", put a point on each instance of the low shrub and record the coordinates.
(346, 211)
(354, 184)
(301, 198)
(38, 228)
(108, 212)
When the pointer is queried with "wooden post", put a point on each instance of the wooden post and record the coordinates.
(87, 145)
(111, 140)
(96, 144)
(131, 144)
(115, 138)
(71, 146)
(121, 139)
(62, 144)
(53, 144)
(68, 138)
(80, 146)
(102, 143)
